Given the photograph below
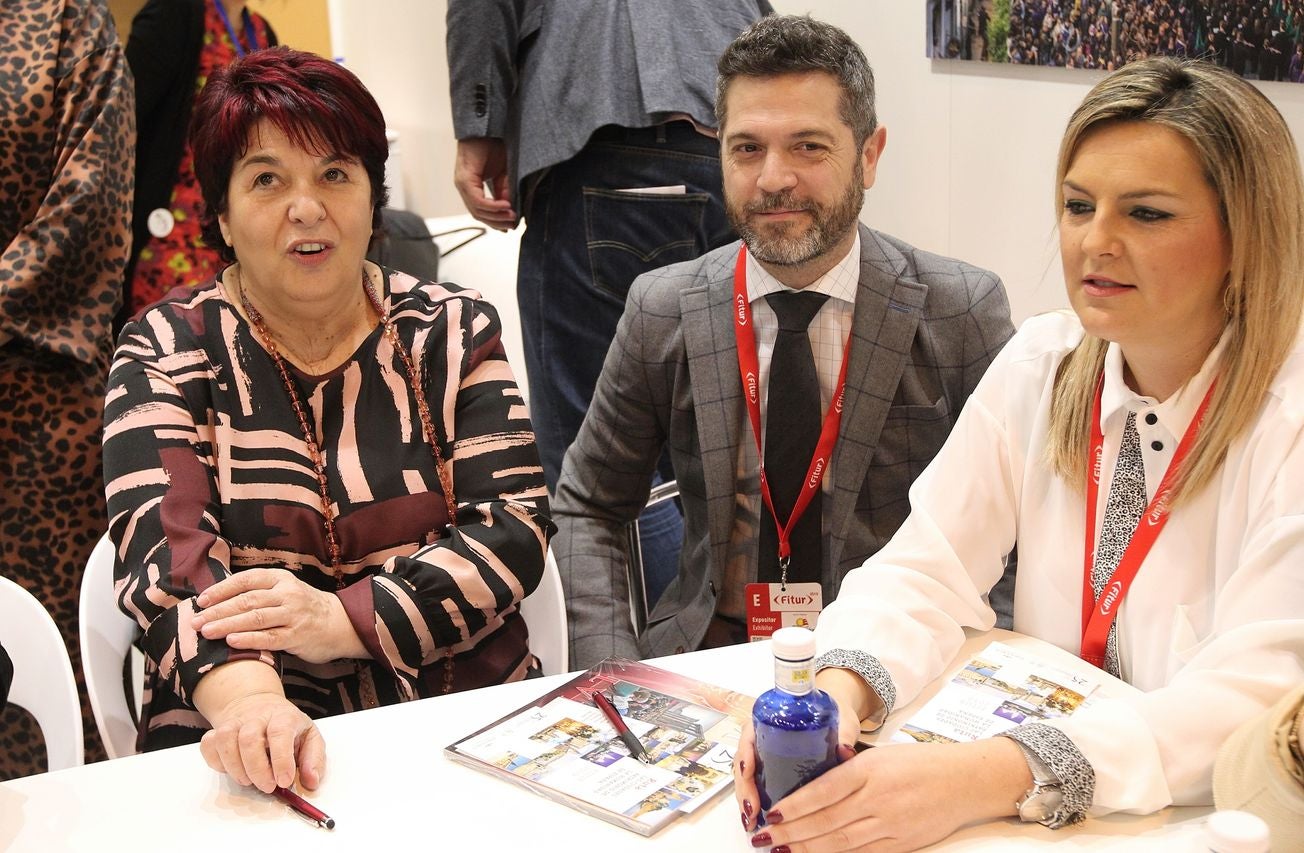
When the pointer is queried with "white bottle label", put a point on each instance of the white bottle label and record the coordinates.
(794, 676)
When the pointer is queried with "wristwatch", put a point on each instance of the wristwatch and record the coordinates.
(1042, 802)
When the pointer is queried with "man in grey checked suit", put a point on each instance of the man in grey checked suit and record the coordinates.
(592, 119)
(799, 143)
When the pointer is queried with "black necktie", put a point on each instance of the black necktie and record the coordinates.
(792, 430)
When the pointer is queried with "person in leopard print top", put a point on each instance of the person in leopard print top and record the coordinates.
(67, 131)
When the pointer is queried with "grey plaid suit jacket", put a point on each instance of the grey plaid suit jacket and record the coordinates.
(923, 332)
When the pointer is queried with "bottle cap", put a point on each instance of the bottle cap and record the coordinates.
(793, 644)
(1231, 831)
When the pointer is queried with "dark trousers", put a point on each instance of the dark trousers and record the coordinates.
(584, 244)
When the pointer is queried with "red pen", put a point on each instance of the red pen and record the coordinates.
(304, 808)
(631, 740)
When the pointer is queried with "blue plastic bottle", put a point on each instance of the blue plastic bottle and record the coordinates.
(796, 725)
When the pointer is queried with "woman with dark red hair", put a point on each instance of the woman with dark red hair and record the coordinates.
(322, 483)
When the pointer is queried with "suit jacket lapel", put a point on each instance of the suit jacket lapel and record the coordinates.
(712, 352)
(887, 313)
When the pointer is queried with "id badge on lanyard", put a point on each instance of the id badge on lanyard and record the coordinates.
(771, 606)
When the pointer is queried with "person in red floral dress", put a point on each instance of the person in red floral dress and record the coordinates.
(167, 248)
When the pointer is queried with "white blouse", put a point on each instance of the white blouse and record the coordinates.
(1213, 627)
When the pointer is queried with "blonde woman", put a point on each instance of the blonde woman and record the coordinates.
(1172, 396)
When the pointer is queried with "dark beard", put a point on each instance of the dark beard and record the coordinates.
(829, 225)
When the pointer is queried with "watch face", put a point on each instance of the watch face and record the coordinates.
(1041, 804)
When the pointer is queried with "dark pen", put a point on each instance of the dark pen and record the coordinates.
(304, 808)
(631, 740)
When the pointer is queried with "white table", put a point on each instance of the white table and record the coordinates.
(388, 785)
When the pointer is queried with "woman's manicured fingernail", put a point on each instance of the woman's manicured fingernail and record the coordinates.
(746, 820)
(761, 839)
(782, 848)
(742, 766)
(747, 809)
(773, 817)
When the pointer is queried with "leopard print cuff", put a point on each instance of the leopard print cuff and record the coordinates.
(867, 667)
(1059, 753)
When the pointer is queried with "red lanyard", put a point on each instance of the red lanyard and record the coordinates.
(749, 371)
(1098, 613)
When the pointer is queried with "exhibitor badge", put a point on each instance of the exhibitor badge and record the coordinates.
(771, 606)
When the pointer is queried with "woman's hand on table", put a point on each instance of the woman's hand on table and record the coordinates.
(258, 737)
(858, 706)
(265, 741)
(272, 610)
(855, 701)
(900, 797)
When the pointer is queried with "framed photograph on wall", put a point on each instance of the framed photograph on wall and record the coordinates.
(1257, 39)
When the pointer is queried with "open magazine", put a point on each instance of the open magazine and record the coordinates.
(563, 747)
(999, 688)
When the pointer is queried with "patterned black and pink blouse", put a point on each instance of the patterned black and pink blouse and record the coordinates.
(207, 473)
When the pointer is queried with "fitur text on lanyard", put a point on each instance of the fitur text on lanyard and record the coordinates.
(749, 371)
(1099, 612)
(250, 34)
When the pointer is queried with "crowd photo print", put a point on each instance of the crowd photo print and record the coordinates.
(1255, 39)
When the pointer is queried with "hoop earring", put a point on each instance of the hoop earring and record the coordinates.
(1231, 298)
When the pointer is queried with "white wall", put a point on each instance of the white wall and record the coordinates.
(968, 169)
(396, 47)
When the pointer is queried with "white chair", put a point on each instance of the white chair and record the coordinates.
(106, 646)
(43, 680)
(487, 264)
(544, 611)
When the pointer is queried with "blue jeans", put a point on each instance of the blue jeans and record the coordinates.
(583, 246)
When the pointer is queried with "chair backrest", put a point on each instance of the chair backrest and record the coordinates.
(489, 265)
(406, 245)
(106, 637)
(544, 611)
(43, 679)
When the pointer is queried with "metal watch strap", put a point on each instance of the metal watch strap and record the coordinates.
(1044, 784)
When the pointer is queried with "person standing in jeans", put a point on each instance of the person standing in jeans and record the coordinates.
(592, 121)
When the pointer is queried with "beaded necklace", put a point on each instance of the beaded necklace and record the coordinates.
(319, 462)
